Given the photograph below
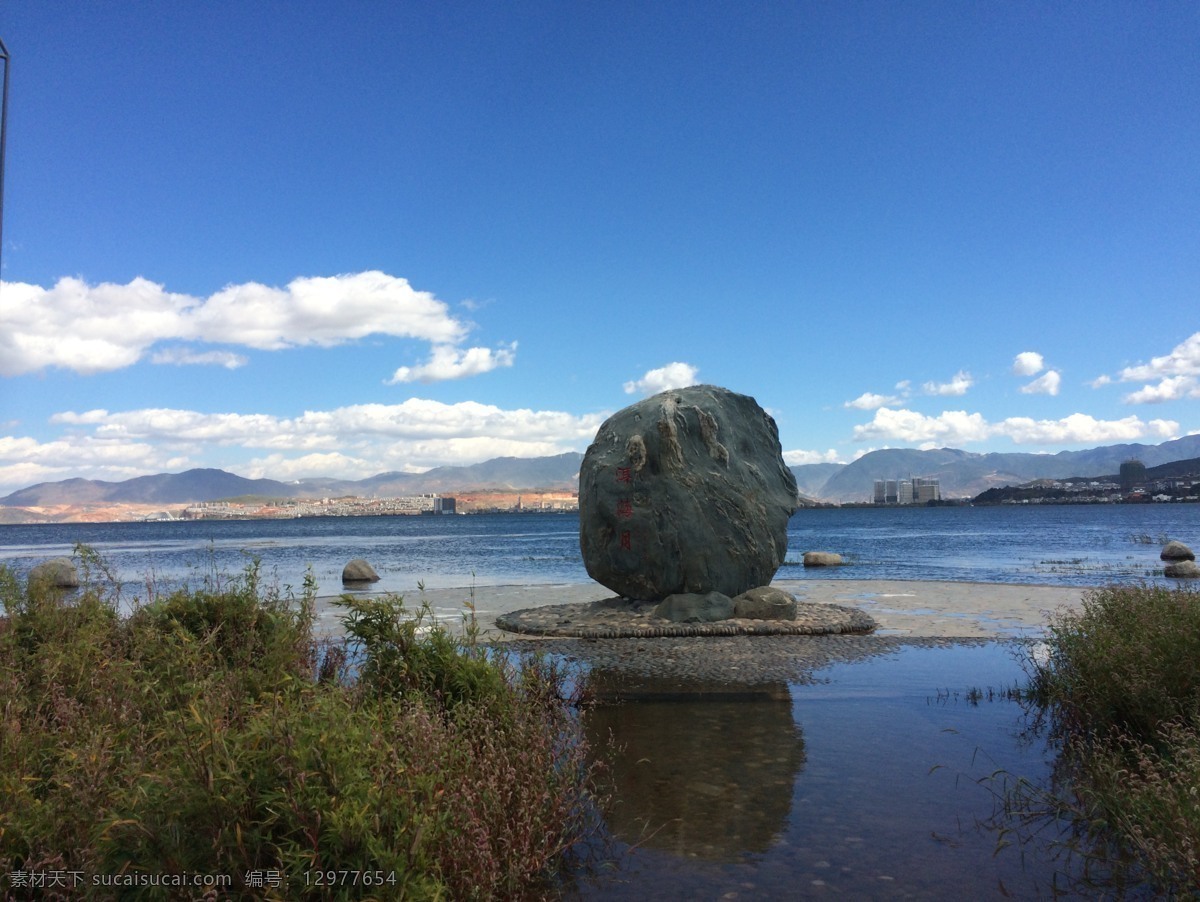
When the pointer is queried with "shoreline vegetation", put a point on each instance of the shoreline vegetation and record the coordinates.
(212, 731)
(209, 732)
(1117, 687)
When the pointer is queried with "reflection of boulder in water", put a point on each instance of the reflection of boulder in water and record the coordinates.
(701, 770)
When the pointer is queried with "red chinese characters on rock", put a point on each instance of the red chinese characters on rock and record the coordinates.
(625, 507)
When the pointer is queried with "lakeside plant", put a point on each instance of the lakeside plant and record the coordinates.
(1119, 687)
(209, 733)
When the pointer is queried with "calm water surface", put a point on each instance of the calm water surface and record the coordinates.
(875, 785)
(1082, 545)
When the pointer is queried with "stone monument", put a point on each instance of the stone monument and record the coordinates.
(685, 492)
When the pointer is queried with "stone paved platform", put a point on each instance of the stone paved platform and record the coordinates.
(720, 666)
(620, 618)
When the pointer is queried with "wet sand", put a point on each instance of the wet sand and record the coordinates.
(902, 608)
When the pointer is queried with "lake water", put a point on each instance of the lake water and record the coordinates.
(883, 782)
(869, 784)
(1068, 545)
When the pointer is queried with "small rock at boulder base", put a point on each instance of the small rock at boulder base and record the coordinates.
(765, 603)
(359, 571)
(822, 559)
(692, 607)
(1182, 570)
(58, 572)
(685, 492)
(1176, 551)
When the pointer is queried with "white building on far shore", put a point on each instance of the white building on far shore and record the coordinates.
(914, 490)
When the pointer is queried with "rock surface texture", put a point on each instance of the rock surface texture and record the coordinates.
(765, 603)
(695, 608)
(822, 559)
(58, 572)
(1182, 570)
(685, 492)
(359, 571)
(1176, 551)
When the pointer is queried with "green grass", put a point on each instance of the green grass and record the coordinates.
(1120, 687)
(208, 732)
(1128, 660)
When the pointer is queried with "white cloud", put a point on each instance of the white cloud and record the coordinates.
(288, 469)
(673, 375)
(957, 427)
(870, 401)
(413, 419)
(950, 427)
(1171, 377)
(354, 441)
(1080, 428)
(25, 461)
(1183, 360)
(1045, 384)
(98, 328)
(324, 311)
(181, 356)
(449, 362)
(798, 458)
(958, 385)
(1172, 388)
(1028, 363)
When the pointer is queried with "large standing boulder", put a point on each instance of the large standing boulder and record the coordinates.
(685, 492)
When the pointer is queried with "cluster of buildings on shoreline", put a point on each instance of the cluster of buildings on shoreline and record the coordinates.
(1131, 486)
(914, 490)
(407, 505)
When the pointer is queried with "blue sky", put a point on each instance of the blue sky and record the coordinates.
(301, 239)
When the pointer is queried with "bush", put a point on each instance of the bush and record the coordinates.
(1147, 796)
(405, 655)
(208, 733)
(1127, 660)
(1121, 686)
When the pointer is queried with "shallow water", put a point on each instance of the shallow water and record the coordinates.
(874, 784)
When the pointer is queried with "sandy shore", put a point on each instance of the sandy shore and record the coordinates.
(901, 608)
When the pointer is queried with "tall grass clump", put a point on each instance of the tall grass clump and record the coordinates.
(209, 733)
(1120, 686)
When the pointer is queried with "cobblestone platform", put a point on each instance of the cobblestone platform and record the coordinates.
(720, 666)
(620, 618)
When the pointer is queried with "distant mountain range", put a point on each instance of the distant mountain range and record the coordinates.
(502, 474)
(962, 474)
